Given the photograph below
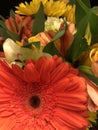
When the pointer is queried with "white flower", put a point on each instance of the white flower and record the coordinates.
(53, 23)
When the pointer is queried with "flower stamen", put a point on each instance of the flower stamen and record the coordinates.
(35, 101)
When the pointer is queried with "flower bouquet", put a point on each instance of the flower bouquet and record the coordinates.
(49, 66)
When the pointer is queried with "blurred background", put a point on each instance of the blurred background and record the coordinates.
(6, 5)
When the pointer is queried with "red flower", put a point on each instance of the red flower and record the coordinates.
(45, 95)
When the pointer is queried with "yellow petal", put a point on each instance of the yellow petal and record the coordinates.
(88, 35)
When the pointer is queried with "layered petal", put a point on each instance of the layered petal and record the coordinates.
(44, 94)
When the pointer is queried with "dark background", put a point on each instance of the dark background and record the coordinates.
(6, 5)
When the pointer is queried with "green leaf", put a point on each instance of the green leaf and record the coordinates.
(2, 18)
(58, 34)
(12, 13)
(95, 10)
(85, 69)
(5, 33)
(95, 39)
(79, 44)
(81, 10)
(51, 49)
(39, 21)
(36, 44)
(87, 17)
(71, 2)
(86, 2)
(93, 78)
(2, 24)
(29, 45)
(93, 20)
(88, 71)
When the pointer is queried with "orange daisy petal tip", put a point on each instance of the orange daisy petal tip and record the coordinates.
(46, 94)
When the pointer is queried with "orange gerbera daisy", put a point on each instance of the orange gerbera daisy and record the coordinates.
(46, 94)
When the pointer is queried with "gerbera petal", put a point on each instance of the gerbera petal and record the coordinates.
(75, 121)
(58, 126)
(31, 74)
(7, 124)
(59, 72)
(69, 84)
(18, 71)
(49, 95)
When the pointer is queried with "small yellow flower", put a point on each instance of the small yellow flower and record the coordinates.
(94, 53)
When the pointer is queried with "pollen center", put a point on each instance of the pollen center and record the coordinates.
(35, 101)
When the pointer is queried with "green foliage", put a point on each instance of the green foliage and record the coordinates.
(51, 49)
(93, 78)
(29, 45)
(8, 34)
(86, 69)
(12, 13)
(39, 21)
(84, 16)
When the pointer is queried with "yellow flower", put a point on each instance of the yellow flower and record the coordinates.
(70, 13)
(51, 8)
(94, 53)
(55, 8)
(29, 9)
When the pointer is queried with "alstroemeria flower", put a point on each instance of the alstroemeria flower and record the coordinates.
(92, 90)
(22, 25)
(43, 37)
(66, 40)
(14, 52)
(46, 94)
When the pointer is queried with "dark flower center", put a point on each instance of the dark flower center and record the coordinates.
(35, 101)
